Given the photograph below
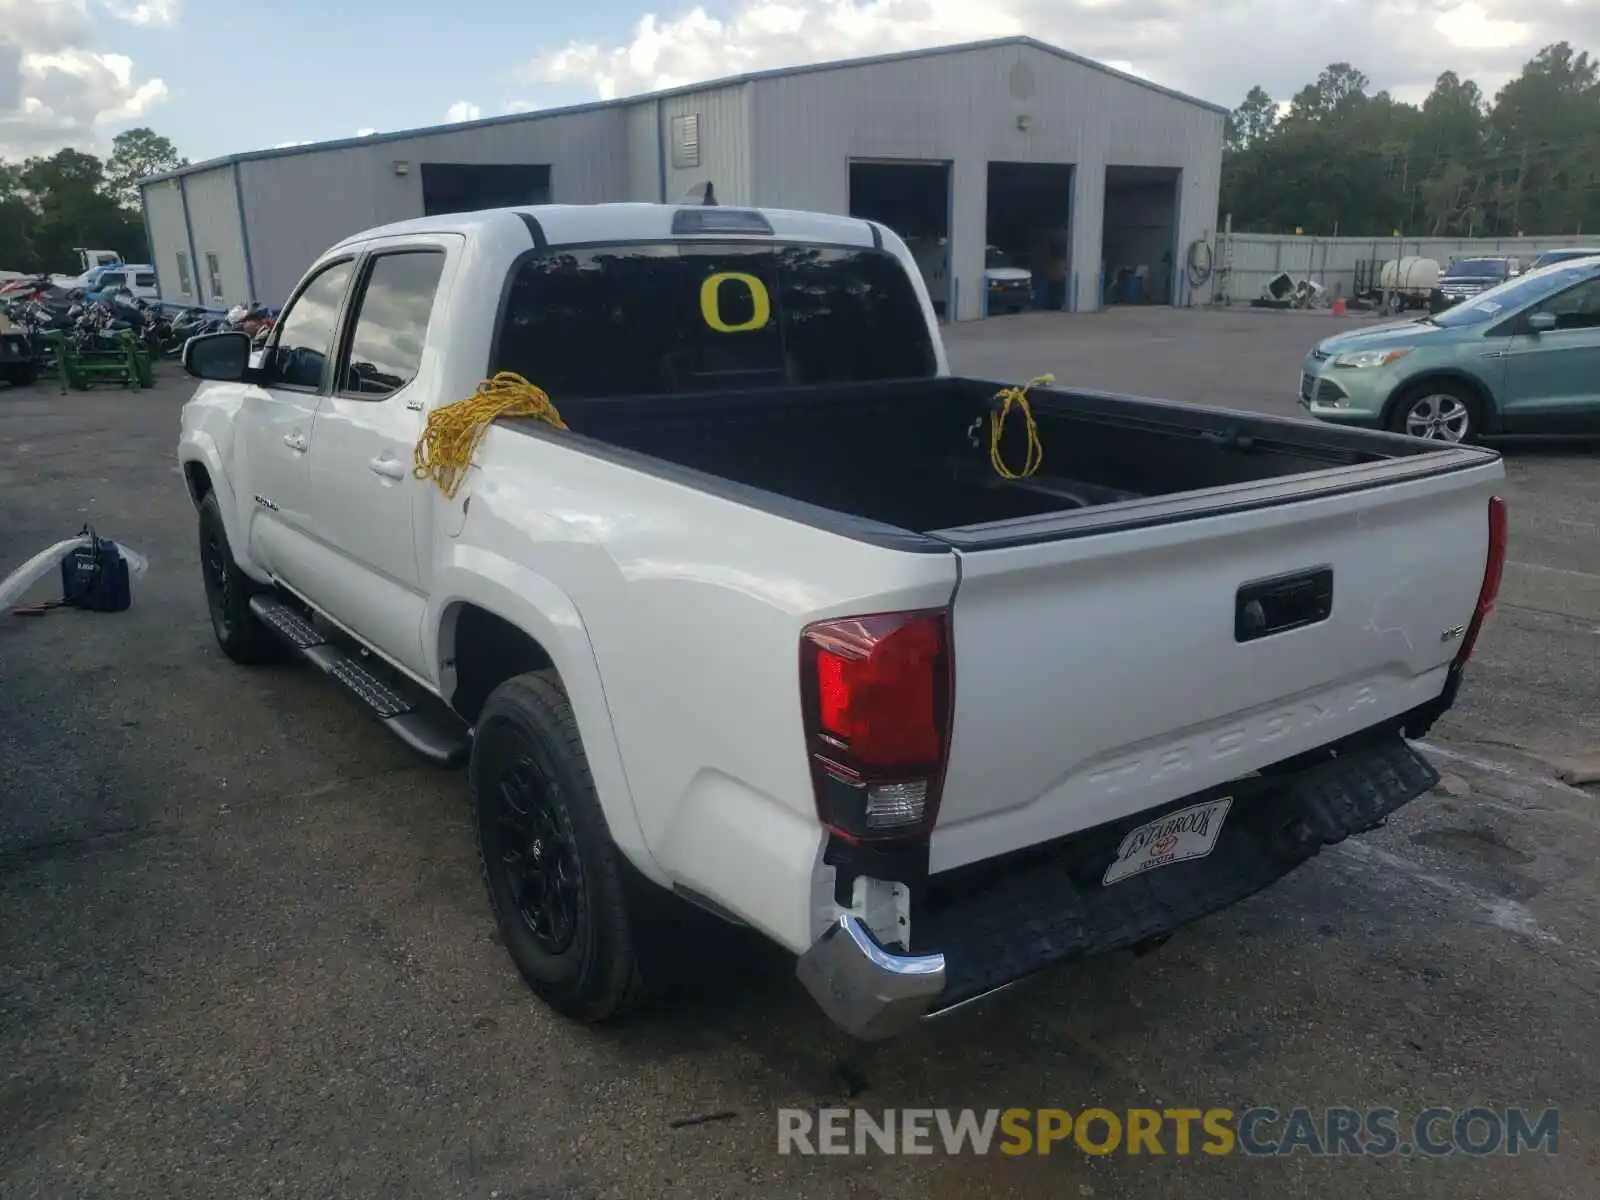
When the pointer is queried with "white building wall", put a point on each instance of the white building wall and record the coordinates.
(964, 107)
(298, 205)
(163, 214)
(785, 141)
(645, 165)
(725, 145)
(214, 223)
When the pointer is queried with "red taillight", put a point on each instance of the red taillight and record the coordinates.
(876, 693)
(1493, 569)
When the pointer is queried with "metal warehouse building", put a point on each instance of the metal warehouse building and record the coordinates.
(980, 154)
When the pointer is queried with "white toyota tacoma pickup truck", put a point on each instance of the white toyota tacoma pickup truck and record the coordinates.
(774, 624)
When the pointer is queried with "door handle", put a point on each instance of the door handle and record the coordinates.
(295, 441)
(389, 468)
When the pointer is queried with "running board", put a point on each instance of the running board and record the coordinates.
(418, 719)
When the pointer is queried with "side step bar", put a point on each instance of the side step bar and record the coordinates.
(419, 720)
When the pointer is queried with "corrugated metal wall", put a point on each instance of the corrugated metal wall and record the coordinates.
(964, 108)
(299, 205)
(218, 241)
(645, 166)
(722, 124)
(169, 237)
(1332, 262)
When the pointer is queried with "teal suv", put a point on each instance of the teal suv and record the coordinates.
(1523, 357)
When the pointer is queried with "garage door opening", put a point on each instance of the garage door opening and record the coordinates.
(1138, 260)
(1029, 256)
(467, 187)
(913, 199)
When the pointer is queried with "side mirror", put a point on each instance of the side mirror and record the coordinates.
(1541, 322)
(220, 356)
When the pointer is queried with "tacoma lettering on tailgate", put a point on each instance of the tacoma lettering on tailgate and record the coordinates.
(1175, 760)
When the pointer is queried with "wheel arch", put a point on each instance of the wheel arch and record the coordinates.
(514, 621)
(1488, 406)
(200, 461)
(198, 480)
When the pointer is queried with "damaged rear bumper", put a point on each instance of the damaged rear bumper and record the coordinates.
(980, 929)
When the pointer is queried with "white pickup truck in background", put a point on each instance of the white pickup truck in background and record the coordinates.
(780, 624)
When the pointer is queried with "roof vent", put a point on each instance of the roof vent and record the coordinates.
(686, 142)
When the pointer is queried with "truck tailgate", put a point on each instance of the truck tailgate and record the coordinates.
(1099, 676)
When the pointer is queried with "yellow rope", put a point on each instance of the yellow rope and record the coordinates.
(454, 431)
(997, 422)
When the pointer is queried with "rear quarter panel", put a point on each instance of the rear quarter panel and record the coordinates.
(693, 605)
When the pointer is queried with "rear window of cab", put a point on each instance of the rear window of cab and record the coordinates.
(679, 317)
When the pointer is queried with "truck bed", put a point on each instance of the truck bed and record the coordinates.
(915, 456)
(1179, 597)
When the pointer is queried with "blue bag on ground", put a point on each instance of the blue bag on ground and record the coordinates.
(95, 576)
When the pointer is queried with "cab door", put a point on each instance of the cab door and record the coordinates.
(1552, 378)
(275, 419)
(362, 499)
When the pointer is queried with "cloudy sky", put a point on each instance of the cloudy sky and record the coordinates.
(218, 77)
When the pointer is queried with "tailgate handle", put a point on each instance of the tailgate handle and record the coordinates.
(1282, 603)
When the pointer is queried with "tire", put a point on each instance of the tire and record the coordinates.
(555, 879)
(21, 376)
(228, 590)
(1442, 411)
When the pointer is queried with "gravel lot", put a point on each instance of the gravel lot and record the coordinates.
(246, 953)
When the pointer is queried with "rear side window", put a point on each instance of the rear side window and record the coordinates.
(144, 279)
(694, 317)
(392, 322)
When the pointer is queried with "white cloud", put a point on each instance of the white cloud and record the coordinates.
(159, 14)
(463, 110)
(60, 85)
(366, 131)
(1212, 48)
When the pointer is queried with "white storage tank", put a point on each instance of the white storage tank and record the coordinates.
(1411, 276)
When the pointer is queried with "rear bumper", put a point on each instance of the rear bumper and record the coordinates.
(866, 990)
(983, 928)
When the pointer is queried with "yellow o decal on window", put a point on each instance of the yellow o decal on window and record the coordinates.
(711, 302)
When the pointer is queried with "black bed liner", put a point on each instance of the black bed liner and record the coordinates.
(906, 465)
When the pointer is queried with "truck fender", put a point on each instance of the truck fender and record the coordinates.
(198, 446)
(545, 613)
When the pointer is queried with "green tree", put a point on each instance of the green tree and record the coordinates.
(17, 220)
(135, 155)
(1253, 120)
(68, 191)
(1544, 136)
(1338, 90)
(1360, 163)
